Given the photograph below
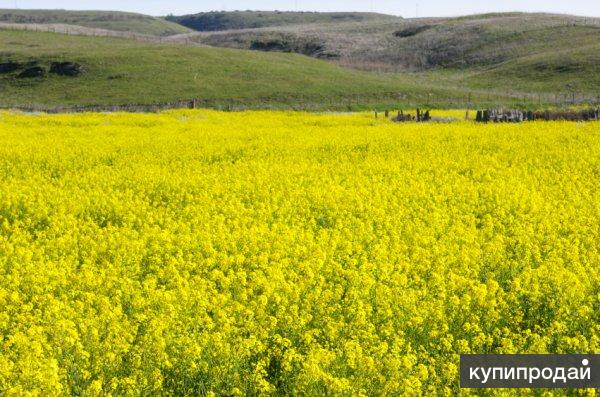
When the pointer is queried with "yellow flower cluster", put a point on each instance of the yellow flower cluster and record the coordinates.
(261, 253)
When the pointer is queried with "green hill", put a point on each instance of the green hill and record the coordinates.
(218, 21)
(563, 72)
(491, 50)
(494, 58)
(121, 71)
(111, 20)
(519, 53)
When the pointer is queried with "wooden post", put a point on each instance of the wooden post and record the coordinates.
(486, 116)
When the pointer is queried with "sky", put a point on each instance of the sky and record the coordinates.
(407, 9)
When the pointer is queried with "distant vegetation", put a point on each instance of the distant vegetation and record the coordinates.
(112, 20)
(217, 21)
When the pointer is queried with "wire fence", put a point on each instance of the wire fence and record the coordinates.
(321, 103)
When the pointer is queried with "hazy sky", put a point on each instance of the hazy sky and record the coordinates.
(398, 7)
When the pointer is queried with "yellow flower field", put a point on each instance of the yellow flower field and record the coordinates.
(263, 253)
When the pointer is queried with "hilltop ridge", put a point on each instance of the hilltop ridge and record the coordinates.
(232, 20)
(110, 20)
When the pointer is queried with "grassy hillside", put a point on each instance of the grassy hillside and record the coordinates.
(566, 71)
(112, 20)
(117, 71)
(218, 21)
(515, 48)
(513, 53)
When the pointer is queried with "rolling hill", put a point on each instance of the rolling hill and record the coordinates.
(121, 71)
(218, 21)
(110, 20)
(515, 48)
(371, 60)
